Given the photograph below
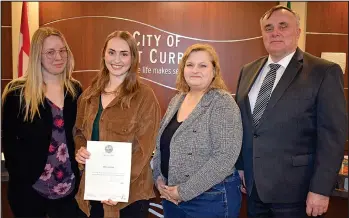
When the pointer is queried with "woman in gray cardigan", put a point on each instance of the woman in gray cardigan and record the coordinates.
(199, 142)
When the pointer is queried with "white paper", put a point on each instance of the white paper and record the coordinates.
(336, 57)
(108, 171)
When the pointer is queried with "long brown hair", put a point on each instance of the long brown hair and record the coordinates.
(128, 88)
(31, 84)
(217, 81)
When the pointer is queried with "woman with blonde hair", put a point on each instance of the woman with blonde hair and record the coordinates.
(39, 111)
(199, 142)
(118, 107)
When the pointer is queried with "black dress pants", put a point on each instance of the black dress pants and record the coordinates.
(258, 209)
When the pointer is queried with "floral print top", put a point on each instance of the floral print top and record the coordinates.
(57, 179)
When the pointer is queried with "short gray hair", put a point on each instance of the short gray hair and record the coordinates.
(278, 8)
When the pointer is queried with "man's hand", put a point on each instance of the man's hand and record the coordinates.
(243, 184)
(317, 204)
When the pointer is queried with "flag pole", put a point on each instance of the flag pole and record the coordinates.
(24, 42)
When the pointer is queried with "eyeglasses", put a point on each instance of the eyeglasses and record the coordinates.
(52, 54)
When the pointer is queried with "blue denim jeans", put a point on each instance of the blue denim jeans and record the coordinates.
(221, 201)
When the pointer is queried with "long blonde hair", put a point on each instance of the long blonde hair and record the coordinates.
(217, 82)
(129, 87)
(31, 84)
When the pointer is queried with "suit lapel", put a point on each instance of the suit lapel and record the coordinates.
(290, 73)
(253, 74)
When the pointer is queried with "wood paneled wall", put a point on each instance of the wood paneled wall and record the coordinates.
(6, 44)
(87, 26)
(327, 31)
(6, 77)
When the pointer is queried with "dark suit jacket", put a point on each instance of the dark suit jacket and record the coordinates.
(298, 145)
(25, 144)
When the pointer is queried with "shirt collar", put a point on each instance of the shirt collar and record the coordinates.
(283, 62)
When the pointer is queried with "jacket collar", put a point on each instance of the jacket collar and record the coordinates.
(205, 101)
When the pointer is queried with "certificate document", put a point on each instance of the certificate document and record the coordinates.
(108, 171)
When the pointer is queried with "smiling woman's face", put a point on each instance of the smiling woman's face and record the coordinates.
(117, 57)
(198, 70)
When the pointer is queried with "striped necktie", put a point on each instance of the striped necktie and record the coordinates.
(264, 93)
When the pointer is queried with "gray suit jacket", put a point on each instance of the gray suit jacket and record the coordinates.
(298, 145)
(205, 147)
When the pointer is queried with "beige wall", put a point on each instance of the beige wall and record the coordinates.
(33, 18)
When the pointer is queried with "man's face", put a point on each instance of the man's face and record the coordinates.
(280, 33)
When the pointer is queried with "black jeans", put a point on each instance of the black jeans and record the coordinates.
(26, 202)
(138, 209)
(258, 209)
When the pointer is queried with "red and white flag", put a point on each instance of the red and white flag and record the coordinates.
(24, 42)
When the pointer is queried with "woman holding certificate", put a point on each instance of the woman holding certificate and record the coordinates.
(39, 111)
(117, 107)
(199, 142)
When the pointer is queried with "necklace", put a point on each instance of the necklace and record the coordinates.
(115, 92)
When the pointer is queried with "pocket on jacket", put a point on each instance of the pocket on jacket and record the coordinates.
(120, 127)
(302, 160)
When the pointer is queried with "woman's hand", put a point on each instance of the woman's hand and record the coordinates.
(172, 192)
(82, 155)
(160, 184)
(109, 202)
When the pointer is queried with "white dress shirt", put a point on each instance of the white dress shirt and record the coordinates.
(252, 95)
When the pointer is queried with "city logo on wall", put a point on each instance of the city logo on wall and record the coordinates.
(160, 50)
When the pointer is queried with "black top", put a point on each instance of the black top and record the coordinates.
(26, 144)
(95, 129)
(165, 141)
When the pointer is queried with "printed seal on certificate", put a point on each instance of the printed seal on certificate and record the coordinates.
(108, 149)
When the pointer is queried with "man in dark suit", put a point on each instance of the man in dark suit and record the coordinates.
(294, 118)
